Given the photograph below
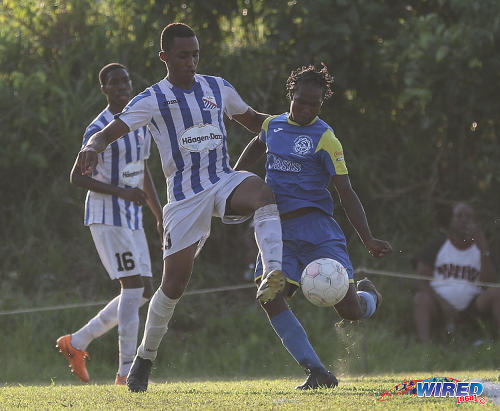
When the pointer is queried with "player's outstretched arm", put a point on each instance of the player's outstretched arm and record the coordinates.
(251, 119)
(87, 157)
(357, 216)
(250, 154)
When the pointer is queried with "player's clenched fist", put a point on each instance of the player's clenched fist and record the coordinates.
(378, 248)
(87, 160)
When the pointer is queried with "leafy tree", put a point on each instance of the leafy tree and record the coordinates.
(415, 106)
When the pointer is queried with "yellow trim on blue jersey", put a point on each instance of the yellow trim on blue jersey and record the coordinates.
(265, 124)
(351, 280)
(290, 121)
(332, 146)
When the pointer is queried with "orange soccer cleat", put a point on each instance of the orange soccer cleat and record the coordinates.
(75, 357)
(120, 380)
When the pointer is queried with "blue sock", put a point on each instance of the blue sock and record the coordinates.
(295, 339)
(371, 303)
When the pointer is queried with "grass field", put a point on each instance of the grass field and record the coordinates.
(257, 394)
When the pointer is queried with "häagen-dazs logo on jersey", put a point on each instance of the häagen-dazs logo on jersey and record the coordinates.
(302, 145)
(132, 174)
(201, 137)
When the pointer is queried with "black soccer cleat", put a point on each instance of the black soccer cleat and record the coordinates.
(318, 378)
(366, 285)
(138, 376)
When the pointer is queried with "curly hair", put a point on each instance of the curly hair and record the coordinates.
(309, 74)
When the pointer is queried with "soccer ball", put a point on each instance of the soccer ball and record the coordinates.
(324, 282)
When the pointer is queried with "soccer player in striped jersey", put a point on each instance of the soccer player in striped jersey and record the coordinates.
(303, 157)
(118, 188)
(184, 112)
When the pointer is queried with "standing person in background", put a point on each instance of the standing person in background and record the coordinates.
(184, 112)
(455, 261)
(303, 157)
(118, 188)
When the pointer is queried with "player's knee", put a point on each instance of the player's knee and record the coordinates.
(174, 287)
(148, 288)
(264, 196)
(422, 299)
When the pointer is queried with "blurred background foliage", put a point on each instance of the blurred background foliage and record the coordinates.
(416, 107)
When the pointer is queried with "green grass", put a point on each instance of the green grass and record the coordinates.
(256, 394)
(212, 337)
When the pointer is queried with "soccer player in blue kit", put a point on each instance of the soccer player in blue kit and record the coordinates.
(303, 157)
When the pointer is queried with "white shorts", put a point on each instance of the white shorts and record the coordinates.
(188, 221)
(124, 252)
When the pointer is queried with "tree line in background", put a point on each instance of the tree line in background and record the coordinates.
(416, 107)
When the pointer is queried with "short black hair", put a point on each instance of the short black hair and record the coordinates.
(306, 74)
(173, 30)
(107, 69)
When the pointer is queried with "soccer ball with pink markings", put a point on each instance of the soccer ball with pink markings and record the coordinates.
(324, 282)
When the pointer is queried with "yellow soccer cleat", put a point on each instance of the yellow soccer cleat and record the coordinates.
(271, 286)
(75, 357)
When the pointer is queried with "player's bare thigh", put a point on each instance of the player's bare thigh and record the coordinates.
(177, 270)
(251, 194)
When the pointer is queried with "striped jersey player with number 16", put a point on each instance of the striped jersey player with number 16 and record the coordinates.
(184, 113)
(120, 185)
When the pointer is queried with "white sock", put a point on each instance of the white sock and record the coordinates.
(128, 326)
(104, 321)
(268, 237)
(160, 311)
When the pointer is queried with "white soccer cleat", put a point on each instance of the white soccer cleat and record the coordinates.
(271, 286)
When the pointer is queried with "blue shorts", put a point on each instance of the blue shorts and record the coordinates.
(309, 237)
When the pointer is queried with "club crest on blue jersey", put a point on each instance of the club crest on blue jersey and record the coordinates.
(302, 145)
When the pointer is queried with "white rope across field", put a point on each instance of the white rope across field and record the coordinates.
(361, 271)
(358, 272)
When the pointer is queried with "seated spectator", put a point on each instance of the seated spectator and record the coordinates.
(456, 260)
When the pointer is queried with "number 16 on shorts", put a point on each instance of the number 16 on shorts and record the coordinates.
(125, 261)
(124, 252)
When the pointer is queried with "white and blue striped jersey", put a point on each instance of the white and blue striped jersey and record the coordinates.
(188, 128)
(121, 164)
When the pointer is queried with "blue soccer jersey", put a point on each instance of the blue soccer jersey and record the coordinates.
(121, 164)
(300, 162)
